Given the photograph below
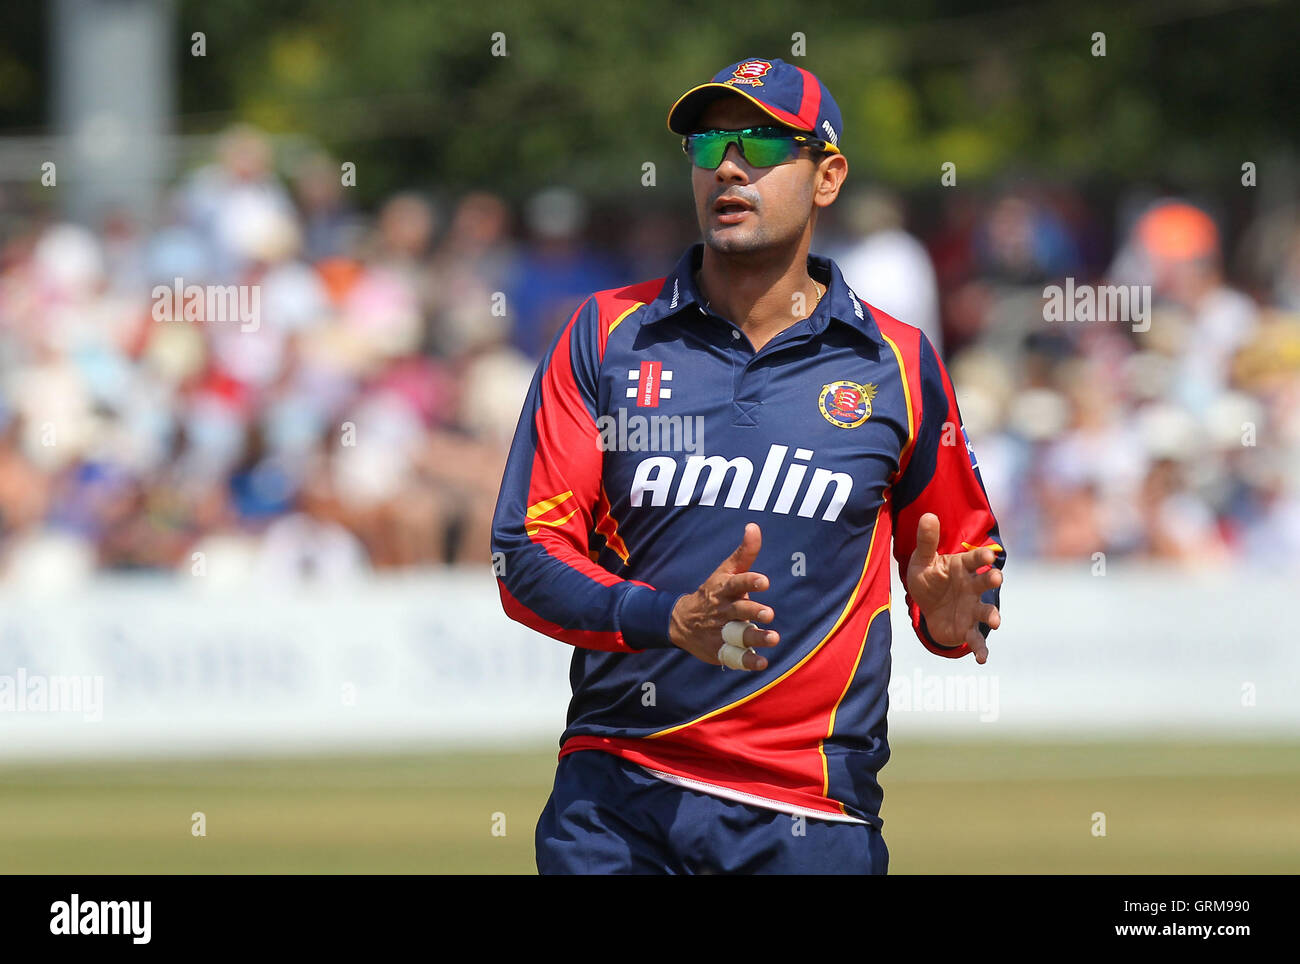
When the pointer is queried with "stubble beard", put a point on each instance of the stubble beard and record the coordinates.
(731, 241)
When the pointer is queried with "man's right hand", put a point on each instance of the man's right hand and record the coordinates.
(698, 619)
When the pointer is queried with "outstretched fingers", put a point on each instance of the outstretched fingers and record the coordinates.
(990, 616)
(976, 559)
(927, 540)
(744, 555)
(743, 583)
(979, 646)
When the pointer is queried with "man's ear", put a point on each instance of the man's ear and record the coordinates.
(832, 171)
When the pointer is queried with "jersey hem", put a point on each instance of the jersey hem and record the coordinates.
(753, 800)
(699, 778)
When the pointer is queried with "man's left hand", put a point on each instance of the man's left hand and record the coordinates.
(948, 589)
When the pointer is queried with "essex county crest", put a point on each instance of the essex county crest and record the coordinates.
(846, 404)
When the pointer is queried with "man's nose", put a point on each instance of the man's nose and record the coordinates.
(733, 166)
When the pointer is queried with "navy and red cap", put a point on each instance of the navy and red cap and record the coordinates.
(788, 94)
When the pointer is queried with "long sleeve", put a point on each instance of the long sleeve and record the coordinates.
(941, 476)
(551, 501)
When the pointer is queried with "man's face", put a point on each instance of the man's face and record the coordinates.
(778, 200)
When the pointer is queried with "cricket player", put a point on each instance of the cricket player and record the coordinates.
(700, 498)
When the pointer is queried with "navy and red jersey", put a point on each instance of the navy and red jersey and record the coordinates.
(651, 434)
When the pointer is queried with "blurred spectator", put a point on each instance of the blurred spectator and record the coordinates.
(471, 271)
(312, 545)
(230, 202)
(557, 271)
(330, 228)
(888, 267)
(1174, 248)
(1021, 241)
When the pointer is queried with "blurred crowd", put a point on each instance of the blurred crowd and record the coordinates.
(361, 421)
(1167, 428)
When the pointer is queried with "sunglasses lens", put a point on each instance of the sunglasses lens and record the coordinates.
(766, 151)
(707, 150)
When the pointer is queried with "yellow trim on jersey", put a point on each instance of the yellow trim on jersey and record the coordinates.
(619, 320)
(759, 692)
(992, 545)
(546, 505)
(612, 538)
(616, 544)
(907, 393)
(821, 745)
(531, 528)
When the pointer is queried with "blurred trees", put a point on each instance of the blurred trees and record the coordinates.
(410, 89)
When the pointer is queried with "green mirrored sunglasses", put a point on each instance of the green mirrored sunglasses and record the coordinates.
(760, 146)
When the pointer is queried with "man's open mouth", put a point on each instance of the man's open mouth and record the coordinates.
(731, 209)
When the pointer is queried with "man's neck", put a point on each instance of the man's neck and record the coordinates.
(757, 292)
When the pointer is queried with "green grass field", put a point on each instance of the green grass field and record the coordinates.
(954, 808)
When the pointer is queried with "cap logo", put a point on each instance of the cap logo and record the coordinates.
(830, 133)
(749, 72)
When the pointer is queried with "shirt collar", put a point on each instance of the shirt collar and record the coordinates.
(840, 303)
